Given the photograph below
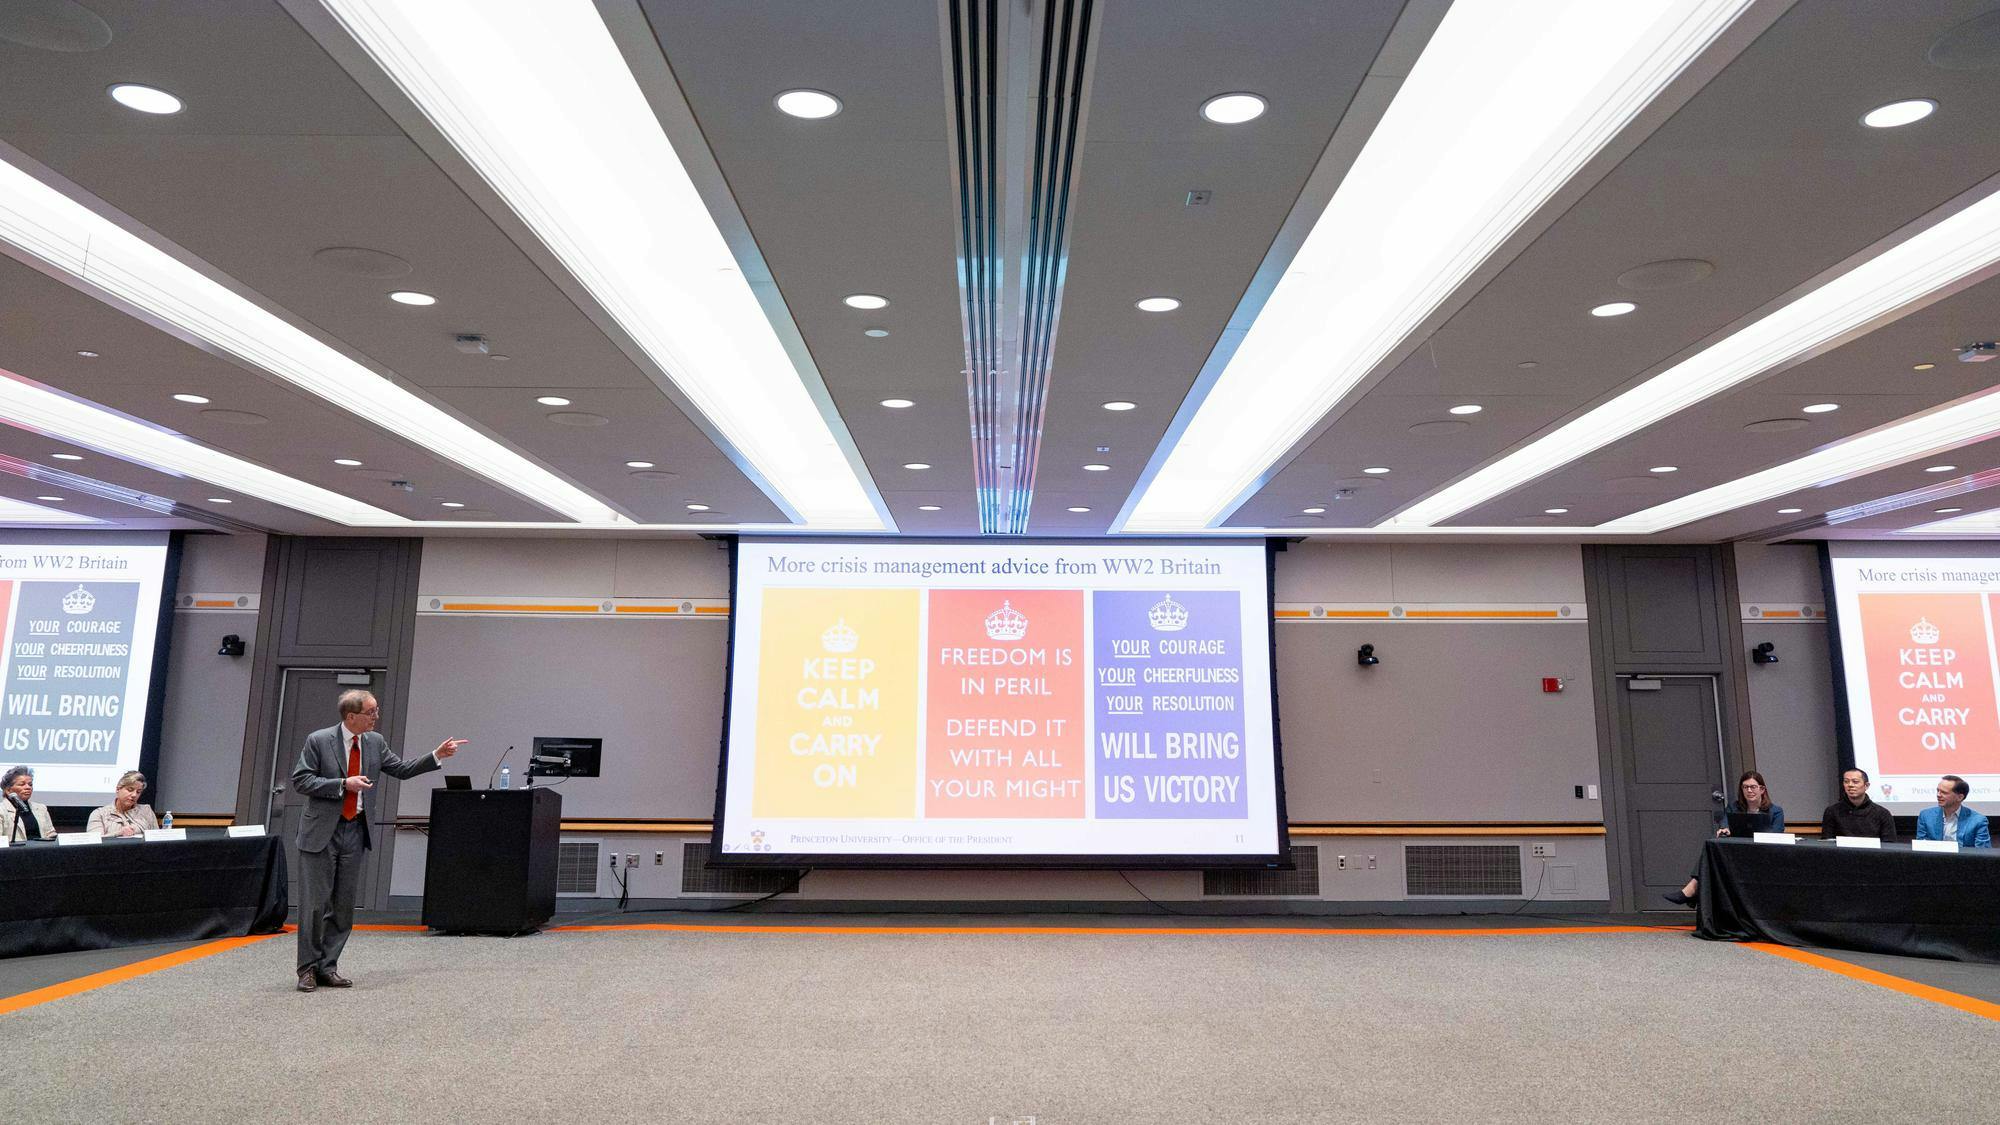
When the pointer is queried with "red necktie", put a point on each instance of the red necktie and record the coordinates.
(351, 807)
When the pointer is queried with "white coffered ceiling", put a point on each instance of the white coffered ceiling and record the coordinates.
(1746, 168)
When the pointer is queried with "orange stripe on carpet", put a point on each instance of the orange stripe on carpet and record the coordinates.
(1119, 931)
(1963, 1003)
(126, 972)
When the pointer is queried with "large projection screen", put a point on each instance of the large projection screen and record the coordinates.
(1918, 668)
(1000, 703)
(81, 616)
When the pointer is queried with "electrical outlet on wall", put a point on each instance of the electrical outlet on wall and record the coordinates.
(1543, 851)
(631, 859)
(659, 859)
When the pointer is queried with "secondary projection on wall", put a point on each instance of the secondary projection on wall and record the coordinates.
(1917, 647)
(982, 700)
(79, 624)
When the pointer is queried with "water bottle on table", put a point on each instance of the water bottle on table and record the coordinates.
(505, 777)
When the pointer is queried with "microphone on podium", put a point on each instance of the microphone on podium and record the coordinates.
(496, 768)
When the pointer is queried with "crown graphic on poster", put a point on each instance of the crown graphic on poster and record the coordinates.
(78, 600)
(1924, 633)
(1167, 615)
(839, 638)
(1006, 623)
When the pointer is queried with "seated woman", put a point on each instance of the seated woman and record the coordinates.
(1752, 798)
(124, 816)
(21, 818)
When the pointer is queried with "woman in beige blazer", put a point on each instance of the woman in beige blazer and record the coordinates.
(124, 816)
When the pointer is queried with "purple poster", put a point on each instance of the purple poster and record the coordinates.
(1169, 704)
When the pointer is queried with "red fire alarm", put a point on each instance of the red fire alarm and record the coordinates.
(1552, 684)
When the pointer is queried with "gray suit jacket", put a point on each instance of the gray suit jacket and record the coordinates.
(320, 775)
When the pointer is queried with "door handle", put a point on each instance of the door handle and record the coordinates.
(1715, 795)
(276, 790)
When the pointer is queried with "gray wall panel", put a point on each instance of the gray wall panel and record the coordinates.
(1452, 725)
(201, 724)
(651, 689)
(1792, 701)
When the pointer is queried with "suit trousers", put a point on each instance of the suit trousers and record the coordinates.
(331, 877)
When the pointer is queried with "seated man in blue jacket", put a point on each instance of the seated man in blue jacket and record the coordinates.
(1951, 820)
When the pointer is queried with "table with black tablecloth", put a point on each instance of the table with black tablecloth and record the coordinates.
(129, 892)
(1887, 900)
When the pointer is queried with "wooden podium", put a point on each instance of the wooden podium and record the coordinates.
(492, 862)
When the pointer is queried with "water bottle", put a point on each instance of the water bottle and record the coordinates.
(167, 819)
(505, 777)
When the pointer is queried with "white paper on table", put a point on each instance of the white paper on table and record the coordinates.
(65, 839)
(156, 834)
(246, 830)
(1949, 846)
(1775, 838)
(1857, 841)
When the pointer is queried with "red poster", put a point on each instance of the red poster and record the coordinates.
(1930, 683)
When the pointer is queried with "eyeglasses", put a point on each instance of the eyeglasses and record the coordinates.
(372, 712)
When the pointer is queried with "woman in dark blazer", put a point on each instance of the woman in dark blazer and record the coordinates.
(1751, 797)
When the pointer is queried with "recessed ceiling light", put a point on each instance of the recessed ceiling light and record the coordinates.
(1158, 304)
(220, 500)
(50, 499)
(195, 399)
(553, 400)
(88, 355)
(1664, 469)
(1940, 468)
(67, 456)
(450, 504)
(1899, 113)
(1790, 511)
(1923, 367)
(1820, 408)
(410, 297)
(916, 465)
(1614, 308)
(1313, 511)
(929, 508)
(1468, 408)
(1555, 511)
(877, 333)
(1119, 404)
(347, 462)
(1233, 109)
(898, 403)
(1946, 511)
(1376, 471)
(809, 104)
(864, 301)
(638, 464)
(1095, 468)
(697, 507)
(1077, 508)
(147, 99)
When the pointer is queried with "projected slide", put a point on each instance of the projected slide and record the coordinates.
(79, 623)
(999, 699)
(1917, 646)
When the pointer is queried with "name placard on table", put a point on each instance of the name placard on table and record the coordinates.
(236, 830)
(1775, 838)
(156, 834)
(1948, 846)
(66, 839)
(1857, 841)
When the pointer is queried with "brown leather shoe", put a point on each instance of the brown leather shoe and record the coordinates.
(333, 979)
(306, 981)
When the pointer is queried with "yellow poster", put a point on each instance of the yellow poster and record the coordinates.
(837, 704)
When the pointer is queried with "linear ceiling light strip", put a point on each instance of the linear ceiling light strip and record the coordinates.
(1891, 284)
(1506, 103)
(32, 407)
(538, 100)
(63, 234)
(1947, 427)
(22, 512)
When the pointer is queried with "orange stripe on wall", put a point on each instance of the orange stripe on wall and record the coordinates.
(647, 609)
(484, 607)
(215, 604)
(1480, 613)
(1975, 1006)
(126, 972)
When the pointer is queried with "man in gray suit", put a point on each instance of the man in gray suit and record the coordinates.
(333, 775)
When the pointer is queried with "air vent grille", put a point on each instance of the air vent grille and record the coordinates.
(1462, 869)
(697, 877)
(576, 866)
(1302, 880)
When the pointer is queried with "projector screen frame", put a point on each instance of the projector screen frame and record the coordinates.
(73, 815)
(1843, 721)
(1281, 860)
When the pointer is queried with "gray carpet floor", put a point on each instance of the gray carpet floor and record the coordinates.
(870, 1027)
